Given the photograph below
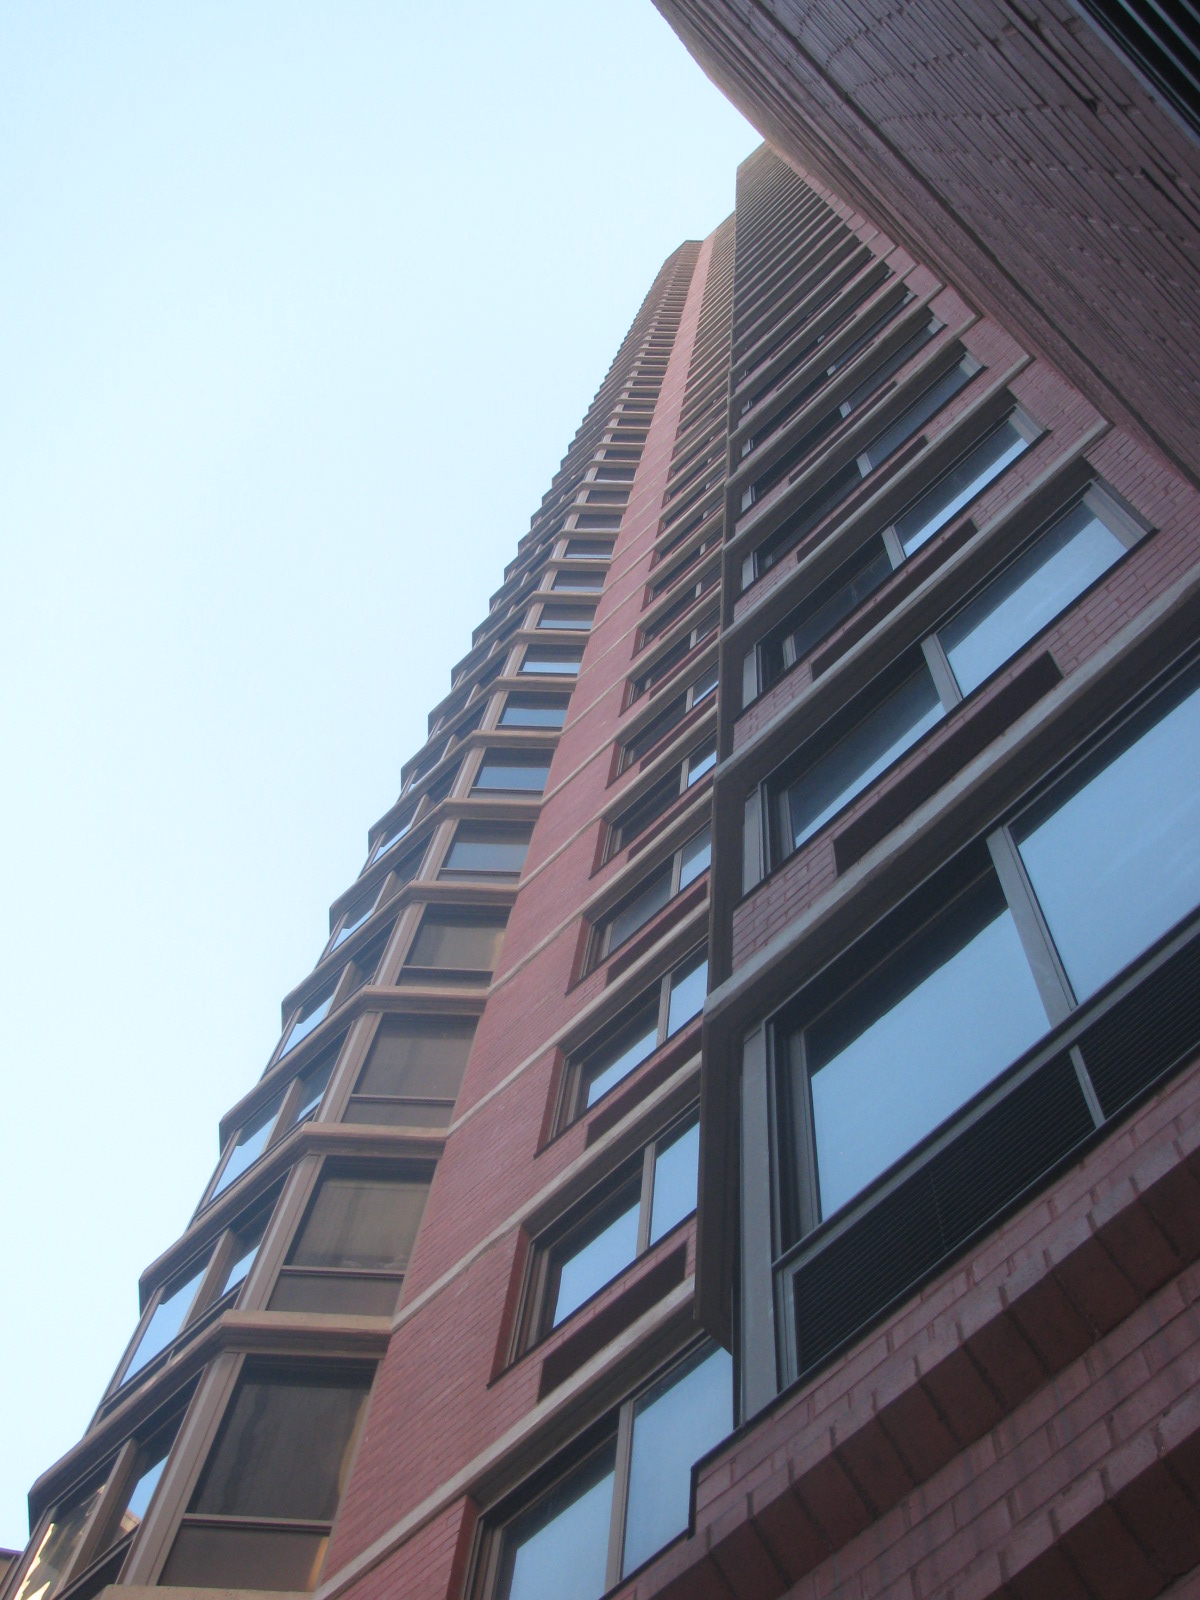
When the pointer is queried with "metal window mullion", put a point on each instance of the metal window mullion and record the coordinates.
(1049, 973)
(620, 1501)
(941, 672)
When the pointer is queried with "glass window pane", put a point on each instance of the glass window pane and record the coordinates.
(856, 760)
(562, 662)
(525, 711)
(251, 1142)
(689, 985)
(399, 1113)
(559, 1548)
(356, 914)
(244, 1558)
(1028, 594)
(361, 1222)
(422, 1057)
(312, 1089)
(576, 618)
(700, 762)
(595, 1261)
(705, 685)
(1117, 862)
(676, 1166)
(55, 1549)
(834, 600)
(311, 1016)
(697, 855)
(959, 486)
(914, 1041)
(335, 1292)
(616, 1058)
(679, 1421)
(649, 899)
(466, 943)
(239, 1268)
(169, 1316)
(590, 549)
(579, 582)
(524, 773)
(283, 1448)
(919, 413)
(488, 847)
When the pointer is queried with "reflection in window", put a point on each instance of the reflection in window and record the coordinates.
(913, 1041)
(830, 781)
(55, 1548)
(311, 1015)
(672, 1003)
(261, 1513)
(1114, 852)
(560, 1547)
(966, 479)
(830, 603)
(1028, 594)
(688, 863)
(496, 849)
(168, 1318)
(594, 1256)
(521, 770)
(412, 1074)
(674, 1196)
(560, 661)
(577, 619)
(534, 711)
(353, 1246)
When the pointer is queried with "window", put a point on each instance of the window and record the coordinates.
(683, 602)
(821, 611)
(575, 582)
(606, 1515)
(965, 480)
(294, 1103)
(637, 1211)
(559, 661)
(456, 945)
(412, 1074)
(1039, 583)
(91, 1530)
(262, 1511)
(653, 893)
(208, 1281)
(310, 1016)
(653, 802)
(652, 732)
(636, 1034)
(590, 549)
(353, 1246)
(838, 487)
(705, 626)
(516, 771)
(534, 711)
(576, 619)
(487, 849)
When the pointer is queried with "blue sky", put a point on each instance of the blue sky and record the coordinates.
(300, 307)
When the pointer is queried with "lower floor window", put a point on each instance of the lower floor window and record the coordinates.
(631, 1495)
(261, 1514)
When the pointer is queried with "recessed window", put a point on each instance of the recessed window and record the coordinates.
(967, 479)
(251, 1141)
(596, 1524)
(310, 1016)
(262, 1511)
(614, 1228)
(652, 803)
(654, 731)
(412, 1074)
(517, 771)
(662, 668)
(451, 944)
(534, 711)
(590, 549)
(487, 849)
(623, 1044)
(353, 1246)
(573, 619)
(550, 660)
(572, 582)
(654, 892)
(821, 611)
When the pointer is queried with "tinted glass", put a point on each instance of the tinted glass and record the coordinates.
(243, 1259)
(576, 618)
(689, 985)
(488, 847)
(283, 1449)
(579, 582)
(421, 1057)
(591, 549)
(637, 911)
(312, 1090)
(312, 1014)
(559, 1548)
(514, 772)
(697, 856)
(541, 658)
(959, 486)
(166, 1321)
(1028, 594)
(356, 914)
(914, 1041)
(445, 941)
(831, 603)
(360, 1222)
(588, 1265)
(523, 711)
(616, 1059)
(879, 738)
(399, 1113)
(251, 1142)
(676, 1165)
(55, 1549)
(244, 1558)
(1116, 863)
(335, 1293)
(679, 1421)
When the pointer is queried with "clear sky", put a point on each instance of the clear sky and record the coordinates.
(300, 306)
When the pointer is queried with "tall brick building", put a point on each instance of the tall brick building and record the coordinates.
(812, 831)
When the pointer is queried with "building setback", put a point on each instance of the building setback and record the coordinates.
(812, 830)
